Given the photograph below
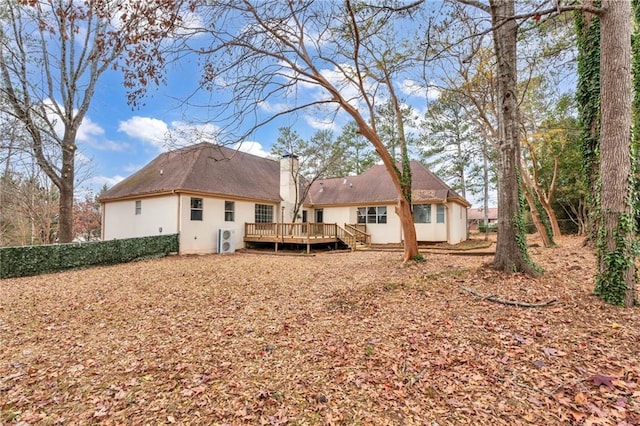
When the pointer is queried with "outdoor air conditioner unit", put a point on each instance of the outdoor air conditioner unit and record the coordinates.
(225, 241)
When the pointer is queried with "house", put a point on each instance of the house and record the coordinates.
(476, 217)
(202, 190)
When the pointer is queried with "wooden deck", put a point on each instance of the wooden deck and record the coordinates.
(305, 233)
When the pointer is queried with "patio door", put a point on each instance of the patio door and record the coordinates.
(319, 215)
(304, 222)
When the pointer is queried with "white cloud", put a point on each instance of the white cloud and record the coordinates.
(272, 108)
(146, 129)
(413, 88)
(168, 136)
(320, 124)
(251, 147)
(88, 129)
(183, 134)
(100, 181)
(81, 159)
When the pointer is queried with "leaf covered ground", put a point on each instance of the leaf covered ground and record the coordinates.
(335, 338)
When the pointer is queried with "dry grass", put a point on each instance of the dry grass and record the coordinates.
(342, 338)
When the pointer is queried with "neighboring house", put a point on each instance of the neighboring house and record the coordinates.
(476, 217)
(202, 189)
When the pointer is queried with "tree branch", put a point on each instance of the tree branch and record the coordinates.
(496, 299)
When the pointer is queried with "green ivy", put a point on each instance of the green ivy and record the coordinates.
(635, 127)
(520, 228)
(614, 264)
(610, 281)
(588, 102)
(35, 260)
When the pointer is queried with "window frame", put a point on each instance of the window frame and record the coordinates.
(197, 211)
(372, 215)
(229, 211)
(440, 213)
(138, 207)
(426, 213)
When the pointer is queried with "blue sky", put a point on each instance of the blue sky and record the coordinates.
(117, 139)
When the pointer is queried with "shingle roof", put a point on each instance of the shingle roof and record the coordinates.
(212, 169)
(206, 168)
(478, 213)
(375, 186)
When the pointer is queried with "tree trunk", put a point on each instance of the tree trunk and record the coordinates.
(511, 249)
(588, 102)
(616, 279)
(66, 187)
(530, 191)
(551, 214)
(485, 186)
(537, 220)
(403, 210)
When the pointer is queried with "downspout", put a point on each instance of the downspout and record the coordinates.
(179, 218)
(103, 216)
(400, 227)
(447, 218)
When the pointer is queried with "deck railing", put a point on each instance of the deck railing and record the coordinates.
(298, 230)
(360, 232)
(306, 232)
(346, 237)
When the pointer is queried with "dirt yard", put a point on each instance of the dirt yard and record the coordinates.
(335, 338)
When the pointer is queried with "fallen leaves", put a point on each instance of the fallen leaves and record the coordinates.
(349, 338)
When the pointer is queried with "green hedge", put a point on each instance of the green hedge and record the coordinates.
(491, 227)
(34, 260)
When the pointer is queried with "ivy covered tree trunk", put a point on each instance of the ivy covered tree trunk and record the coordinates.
(635, 112)
(616, 278)
(511, 249)
(588, 102)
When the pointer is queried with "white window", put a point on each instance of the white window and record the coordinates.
(138, 207)
(372, 214)
(422, 213)
(229, 211)
(196, 208)
(440, 213)
(264, 213)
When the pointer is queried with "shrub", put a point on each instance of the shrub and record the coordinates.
(34, 260)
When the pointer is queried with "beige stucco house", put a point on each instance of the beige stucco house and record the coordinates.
(207, 193)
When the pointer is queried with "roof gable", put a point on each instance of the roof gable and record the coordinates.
(375, 186)
(205, 168)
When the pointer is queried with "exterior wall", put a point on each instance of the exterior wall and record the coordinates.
(432, 232)
(340, 215)
(121, 220)
(201, 237)
(381, 233)
(457, 215)
(386, 233)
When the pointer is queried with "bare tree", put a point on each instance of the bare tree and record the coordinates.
(349, 53)
(52, 54)
(511, 249)
(316, 158)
